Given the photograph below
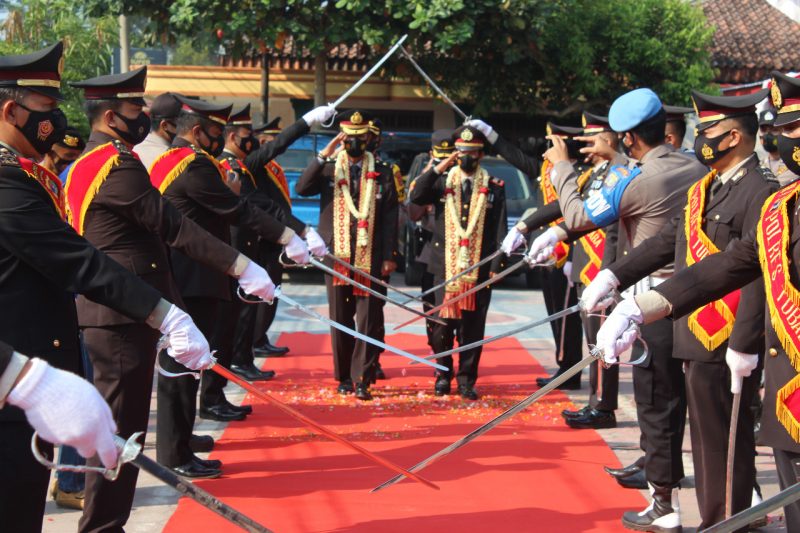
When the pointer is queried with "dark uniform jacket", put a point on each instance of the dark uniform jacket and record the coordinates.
(133, 224)
(318, 178)
(733, 211)
(716, 276)
(429, 188)
(201, 195)
(6, 352)
(43, 263)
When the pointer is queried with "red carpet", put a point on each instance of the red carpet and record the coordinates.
(530, 474)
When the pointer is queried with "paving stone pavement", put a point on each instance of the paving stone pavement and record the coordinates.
(512, 304)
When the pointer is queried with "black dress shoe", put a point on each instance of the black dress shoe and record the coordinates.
(246, 409)
(467, 392)
(194, 470)
(221, 413)
(269, 349)
(594, 419)
(346, 387)
(211, 464)
(626, 471)
(566, 413)
(442, 386)
(250, 372)
(379, 373)
(634, 481)
(362, 392)
(570, 384)
(201, 443)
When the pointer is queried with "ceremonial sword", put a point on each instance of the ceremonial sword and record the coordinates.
(350, 281)
(460, 274)
(131, 452)
(737, 403)
(249, 387)
(374, 279)
(748, 516)
(433, 85)
(341, 327)
(594, 354)
(493, 279)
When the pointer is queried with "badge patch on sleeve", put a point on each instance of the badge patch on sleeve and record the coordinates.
(603, 205)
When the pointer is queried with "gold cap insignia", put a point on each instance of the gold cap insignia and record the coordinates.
(445, 144)
(71, 141)
(775, 93)
(694, 105)
(707, 151)
(466, 135)
(583, 120)
(549, 130)
(356, 118)
(60, 66)
(796, 154)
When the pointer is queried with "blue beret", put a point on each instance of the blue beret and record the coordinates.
(633, 108)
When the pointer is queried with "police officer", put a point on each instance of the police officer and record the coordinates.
(470, 212)
(43, 263)
(722, 207)
(555, 282)
(163, 116)
(770, 251)
(64, 152)
(675, 130)
(358, 221)
(769, 142)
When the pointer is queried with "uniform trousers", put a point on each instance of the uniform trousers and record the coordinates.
(212, 385)
(265, 314)
(554, 286)
(603, 382)
(354, 359)
(788, 466)
(23, 481)
(660, 394)
(177, 397)
(122, 359)
(429, 302)
(468, 329)
(710, 402)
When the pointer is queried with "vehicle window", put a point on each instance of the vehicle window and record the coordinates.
(516, 183)
(296, 160)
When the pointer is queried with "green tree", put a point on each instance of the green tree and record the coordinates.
(88, 43)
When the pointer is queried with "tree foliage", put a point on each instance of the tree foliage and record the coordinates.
(88, 43)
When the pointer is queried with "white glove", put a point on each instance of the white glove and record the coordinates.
(484, 128)
(65, 409)
(543, 246)
(513, 240)
(186, 344)
(255, 280)
(741, 365)
(319, 115)
(567, 270)
(315, 243)
(618, 332)
(297, 250)
(598, 295)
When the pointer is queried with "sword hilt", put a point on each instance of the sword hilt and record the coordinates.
(129, 449)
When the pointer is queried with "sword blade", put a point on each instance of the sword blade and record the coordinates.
(325, 268)
(477, 344)
(341, 327)
(194, 492)
(370, 72)
(494, 279)
(516, 408)
(373, 279)
(737, 402)
(460, 274)
(319, 428)
(748, 516)
(432, 83)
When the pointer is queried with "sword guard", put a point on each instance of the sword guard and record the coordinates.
(129, 449)
(249, 299)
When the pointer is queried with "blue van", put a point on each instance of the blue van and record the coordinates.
(294, 161)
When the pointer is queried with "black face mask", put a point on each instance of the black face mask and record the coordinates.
(355, 147)
(468, 163)
(769, 142)
(43, 128)
(247, 144)
(217, 144)
(574, 148)
(60, 164)
(171, 134)
(706, 149)
(138, 128)
(789, 149)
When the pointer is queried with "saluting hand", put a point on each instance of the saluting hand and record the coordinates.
(558, 152)
(597, 146)
(445, 164)
(329, 150)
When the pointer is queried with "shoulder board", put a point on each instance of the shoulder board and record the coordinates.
(232, 162)
(121, 148)
(8, 158)
(497, 181)
(766, 174)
